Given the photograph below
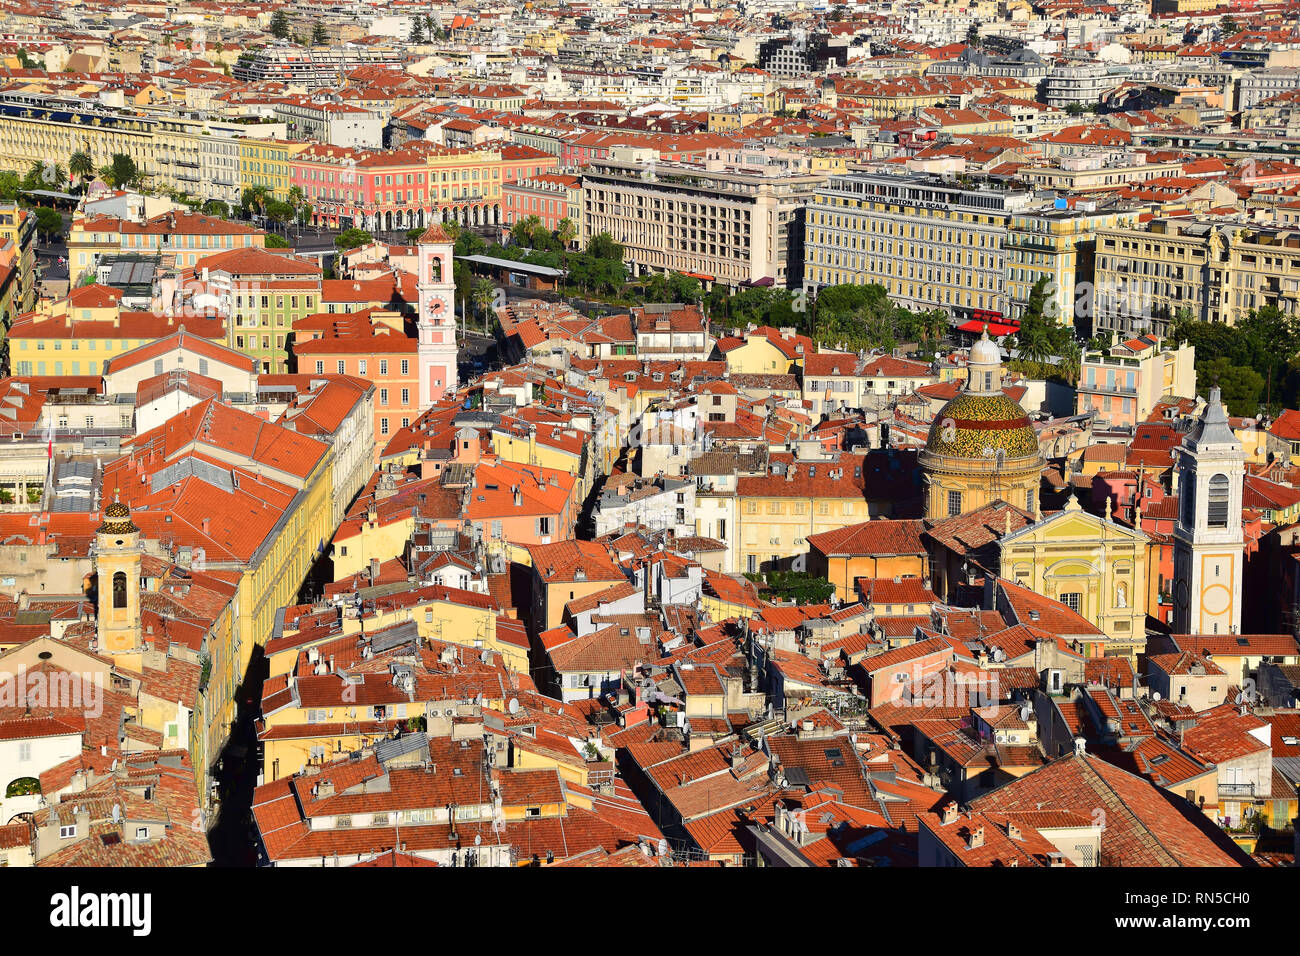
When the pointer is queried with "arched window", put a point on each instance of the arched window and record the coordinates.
(435, 270)
(119, 589)
(1217, 502)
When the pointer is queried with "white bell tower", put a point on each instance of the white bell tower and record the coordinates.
(1209, 545)
(437, 318)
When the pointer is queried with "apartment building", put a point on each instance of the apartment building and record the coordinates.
(180, 238)
(1260, 85)
(261, 295)
(169, 149)
(1058, 245)
(930, 244)
(328, 120)
(18, 226)
(706, 221)
(1123, 383)
(1083, 83)
(1218, 270)
(417, 185)
(372, 345)
(1098, 171)
(264, 163)
(314, 66)
(550, 197)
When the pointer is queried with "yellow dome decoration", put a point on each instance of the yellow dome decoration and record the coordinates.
(117, 520)
(979, 426)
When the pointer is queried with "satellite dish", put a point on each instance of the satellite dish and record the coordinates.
(478, 839)
(1156, 696)
(117, 813)
(513, 706)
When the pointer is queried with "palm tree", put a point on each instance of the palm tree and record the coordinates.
(1071, 359)
(483, 294)
(254, 197)
(1033, 344)
(566, 230)
(82, 166)
(297, 200)
(522, 231)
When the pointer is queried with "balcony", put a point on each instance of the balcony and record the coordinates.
(1107, 389)
(1236, 791)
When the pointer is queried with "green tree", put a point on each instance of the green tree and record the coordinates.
(318, 35)
(603, 246)
(1229, 27)
(217, 208)
(521, 233)
(973, 35)
(276, 241)
(414, 234)
(26, 61)
(48, 222)
(253, 200)
(298, 204)
(352, 239)
(280, 25)
(120, 172)
(417, 30)
(482, 295)
(798, 586)
(1041, 336)
(1242, 387)
(566, 230)
(82, 166)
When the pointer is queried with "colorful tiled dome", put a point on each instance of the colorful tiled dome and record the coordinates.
(117, 520)
(979, 426)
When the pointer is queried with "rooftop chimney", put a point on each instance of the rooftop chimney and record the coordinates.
(977, 837)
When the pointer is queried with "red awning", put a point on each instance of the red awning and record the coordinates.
(995, 328)
(698, 275)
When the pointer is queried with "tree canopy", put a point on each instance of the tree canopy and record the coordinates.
(351, 239)
(1266, 343)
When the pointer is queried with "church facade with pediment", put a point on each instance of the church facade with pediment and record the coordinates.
(1094, 566)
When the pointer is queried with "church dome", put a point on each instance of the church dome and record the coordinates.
(979, 426)
(985, 352)
(117, 520)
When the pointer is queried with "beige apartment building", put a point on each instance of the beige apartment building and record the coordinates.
(1099, 172)
(707, 221)
(1219, 270)
(931, 244)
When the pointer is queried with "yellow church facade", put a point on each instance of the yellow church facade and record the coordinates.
(1093, 566)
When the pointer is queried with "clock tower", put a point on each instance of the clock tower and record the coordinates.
(436, 355)
(1208, 542)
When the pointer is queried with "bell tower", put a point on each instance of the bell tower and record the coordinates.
(436, 354)
(117, 569)
(1209, 545)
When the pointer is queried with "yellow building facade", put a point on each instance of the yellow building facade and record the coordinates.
(1095, 567)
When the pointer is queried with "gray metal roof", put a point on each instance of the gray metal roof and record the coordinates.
(514, 266)
(396, 636)
(387, 750)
